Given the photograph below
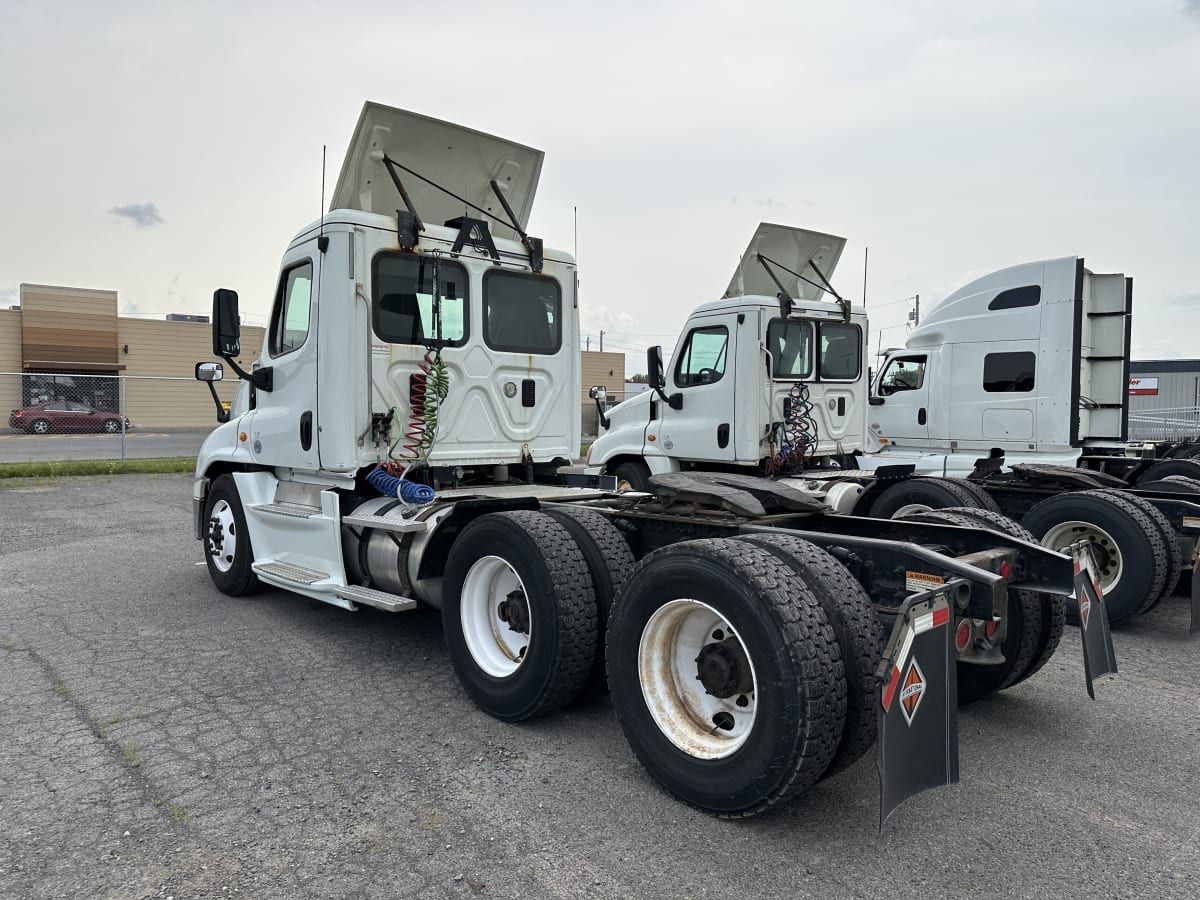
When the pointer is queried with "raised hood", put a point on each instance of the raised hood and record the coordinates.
(794, 248)
(459, 159)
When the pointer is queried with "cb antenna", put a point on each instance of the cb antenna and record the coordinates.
(322, 241)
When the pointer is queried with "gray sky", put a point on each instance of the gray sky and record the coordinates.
(165, 149)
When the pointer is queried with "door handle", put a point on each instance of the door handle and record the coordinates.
(921, 416)
(723, 435)
(306, 430)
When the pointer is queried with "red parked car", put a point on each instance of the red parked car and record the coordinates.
(64, 415)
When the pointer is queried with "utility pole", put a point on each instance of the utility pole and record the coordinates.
(588, 347)
(917, 310)
(602, 340)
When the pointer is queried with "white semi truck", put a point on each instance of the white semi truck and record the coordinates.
(1028, 366)
(398, 444)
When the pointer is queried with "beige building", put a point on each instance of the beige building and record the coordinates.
(607, 369)
(76, 333)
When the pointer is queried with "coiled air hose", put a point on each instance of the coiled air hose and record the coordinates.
(391, 486)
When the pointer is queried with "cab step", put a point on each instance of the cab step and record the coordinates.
(283, 508)
(378, 599)
(290, 572)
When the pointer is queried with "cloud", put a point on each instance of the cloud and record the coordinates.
(141, 214)
(1192, 8)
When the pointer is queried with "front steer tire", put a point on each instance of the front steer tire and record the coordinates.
(720, 592)
(225, 524)
(529, 559)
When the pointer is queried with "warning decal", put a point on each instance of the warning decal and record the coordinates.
(919, 581)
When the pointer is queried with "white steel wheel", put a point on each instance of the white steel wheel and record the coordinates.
(911, 509)
(1109, 561)
(495, 616)
(697, 679)
(221, 536)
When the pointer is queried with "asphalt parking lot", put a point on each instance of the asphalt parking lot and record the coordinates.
(160, 739)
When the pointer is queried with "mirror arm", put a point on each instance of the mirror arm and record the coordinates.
(600, 412)
(263, 379)
(222, 412)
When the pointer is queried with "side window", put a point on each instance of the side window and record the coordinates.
(521, 313)
(905, 374)
(402, 310)
(702, 360)
(1015, 298)
(841, 351)
(790, 343)
(1010, 373)
(289, 322)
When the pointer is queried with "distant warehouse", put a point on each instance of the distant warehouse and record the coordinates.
(1164, 399)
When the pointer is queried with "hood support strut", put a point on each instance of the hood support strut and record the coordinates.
(408, 225)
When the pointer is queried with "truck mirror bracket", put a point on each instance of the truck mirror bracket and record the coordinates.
(263, 379)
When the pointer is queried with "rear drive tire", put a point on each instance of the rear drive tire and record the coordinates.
(1053, 607)
(609, 561)
(764, 724)
(923, 494)
(858, 630)
(227, 549)
(519, 614)
(1188, 468)
(632, 476)
(1133, 556)
(1022, 639)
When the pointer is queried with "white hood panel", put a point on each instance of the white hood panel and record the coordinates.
(794, 248)
(459, 159)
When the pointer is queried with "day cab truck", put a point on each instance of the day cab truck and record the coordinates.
(1026, 367)
(398, 444)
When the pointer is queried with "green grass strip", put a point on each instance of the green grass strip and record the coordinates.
(57, 468)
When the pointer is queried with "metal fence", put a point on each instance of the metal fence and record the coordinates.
(1180, 423)
(81, 415)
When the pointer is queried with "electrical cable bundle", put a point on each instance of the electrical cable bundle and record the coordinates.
(797, 432)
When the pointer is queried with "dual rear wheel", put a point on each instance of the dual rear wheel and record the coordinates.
(741, 669)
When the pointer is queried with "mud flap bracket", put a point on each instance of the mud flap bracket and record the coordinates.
(1099, 658)
(918, 728)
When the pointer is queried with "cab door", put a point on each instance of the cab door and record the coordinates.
(704, 428)
(282, 424)
(903, 417)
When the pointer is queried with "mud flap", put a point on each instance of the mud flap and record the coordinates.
(1098, 656)
(918, 731)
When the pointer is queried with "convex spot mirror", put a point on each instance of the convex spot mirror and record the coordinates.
(210, 371)
(598, 392)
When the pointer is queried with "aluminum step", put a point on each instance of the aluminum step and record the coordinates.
(378, 599)
(295, 510)
(383, 523)
(290, 572)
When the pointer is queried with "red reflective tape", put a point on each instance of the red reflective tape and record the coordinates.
(890, 690)
(941, 616)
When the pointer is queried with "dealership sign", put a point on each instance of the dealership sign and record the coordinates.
(1143, 385)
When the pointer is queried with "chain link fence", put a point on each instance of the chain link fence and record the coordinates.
(50, 416)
